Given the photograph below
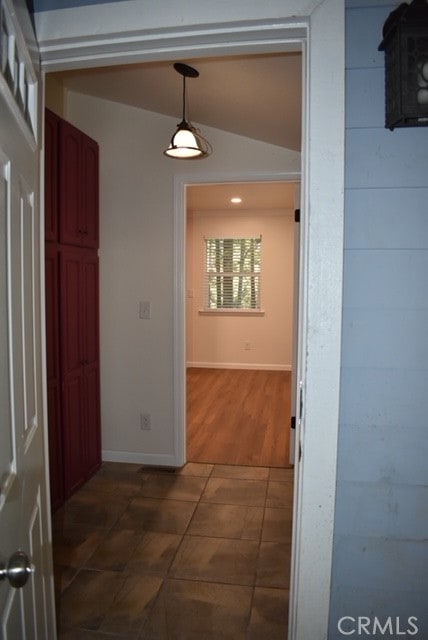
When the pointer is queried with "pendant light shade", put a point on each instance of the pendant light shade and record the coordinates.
(187, 143)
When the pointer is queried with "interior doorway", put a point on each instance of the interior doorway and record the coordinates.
(239, 361)
(322, 197)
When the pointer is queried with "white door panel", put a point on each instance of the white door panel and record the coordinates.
(26, 613)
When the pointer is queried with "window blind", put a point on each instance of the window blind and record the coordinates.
(232, 273)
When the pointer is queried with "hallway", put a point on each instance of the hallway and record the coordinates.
(156, 554)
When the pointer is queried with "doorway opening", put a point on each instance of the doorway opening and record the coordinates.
(239, 351)
(323, 235)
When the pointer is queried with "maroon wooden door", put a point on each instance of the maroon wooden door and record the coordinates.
(72, 369)
(90, 192)
(72, 306)
(53, 376)
(78, 180)
(91, 374)
(80, 365)
(51, 176)
(70, 230)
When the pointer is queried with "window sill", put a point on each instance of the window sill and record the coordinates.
(231, 312)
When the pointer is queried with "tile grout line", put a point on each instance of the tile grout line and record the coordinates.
(166, 574)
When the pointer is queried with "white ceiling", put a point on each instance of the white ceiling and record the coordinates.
(257, 96)
(259, 196)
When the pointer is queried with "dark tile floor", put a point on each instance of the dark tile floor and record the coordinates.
(197, 553)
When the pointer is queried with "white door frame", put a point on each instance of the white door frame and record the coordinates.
(62, 45)
(181, 182)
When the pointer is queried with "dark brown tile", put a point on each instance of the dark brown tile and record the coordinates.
(277, 525)
(216, 560)
(115, 478)
(150, 514)
(228, 491)
(131, 605)
(75, 545)
(154, 553)
(269, 614)
(127, 525)
(114, 551)
(87, 600)
(240, 472)
(273, 566)
(187, 610)
(63, 577)
(173, 487)
(89, 508)
(64, 517)
(279, 494)
(227, 521)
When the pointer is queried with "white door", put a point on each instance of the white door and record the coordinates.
(26, 610)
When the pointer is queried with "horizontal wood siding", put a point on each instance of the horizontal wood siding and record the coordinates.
(381, 520)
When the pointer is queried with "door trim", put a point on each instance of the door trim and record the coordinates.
(180, 184)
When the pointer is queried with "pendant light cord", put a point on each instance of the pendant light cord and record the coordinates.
(184, 98)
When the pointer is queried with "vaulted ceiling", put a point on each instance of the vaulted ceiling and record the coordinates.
(256, 96)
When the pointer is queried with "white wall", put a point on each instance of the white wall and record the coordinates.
(219, 339)
(136, 262)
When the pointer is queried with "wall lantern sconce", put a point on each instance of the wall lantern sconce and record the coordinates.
(405, 43)
(187, 142)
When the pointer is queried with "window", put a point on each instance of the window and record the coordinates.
(232, 273)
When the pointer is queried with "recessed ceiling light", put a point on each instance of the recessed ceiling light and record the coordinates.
(236, 200)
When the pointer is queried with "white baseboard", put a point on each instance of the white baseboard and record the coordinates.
(240, 365)
(151, 459)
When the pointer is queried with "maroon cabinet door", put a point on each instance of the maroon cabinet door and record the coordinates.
(78, 187)
(72, 308)
(51, 176)
(90, 192)
(80, 368)
(72, 369)
(53, 377)
(91, 374)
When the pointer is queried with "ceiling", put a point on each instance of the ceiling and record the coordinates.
(259, 196)
(257, 96)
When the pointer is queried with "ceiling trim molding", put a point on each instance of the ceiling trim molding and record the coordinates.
(159, 44)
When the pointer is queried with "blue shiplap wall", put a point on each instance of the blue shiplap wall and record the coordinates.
(380, 559)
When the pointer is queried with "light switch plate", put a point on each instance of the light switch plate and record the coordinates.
(145, 310)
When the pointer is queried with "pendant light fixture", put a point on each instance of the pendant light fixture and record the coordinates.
(187, 143)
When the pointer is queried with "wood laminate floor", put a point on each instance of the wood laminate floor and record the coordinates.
(238, 417)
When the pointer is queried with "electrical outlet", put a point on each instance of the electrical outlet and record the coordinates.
(247, 346)
(145, 421)
(145, 310)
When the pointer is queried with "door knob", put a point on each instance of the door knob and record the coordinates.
(17, 569)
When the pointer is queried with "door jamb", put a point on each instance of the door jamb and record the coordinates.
(181, 182)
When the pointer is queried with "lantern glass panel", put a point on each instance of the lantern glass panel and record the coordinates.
(415, 77)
